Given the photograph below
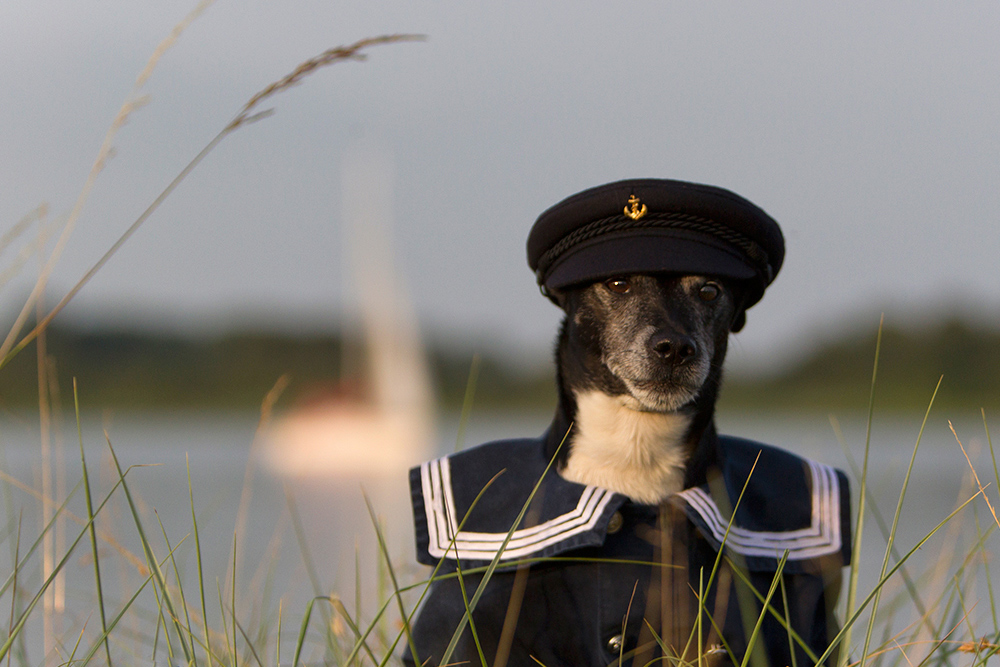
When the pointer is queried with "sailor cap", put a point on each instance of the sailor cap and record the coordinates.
(655, 226)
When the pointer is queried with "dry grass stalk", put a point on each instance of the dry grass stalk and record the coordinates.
(266, 409)
(30, 249)
(170, 40)
(934, 643)
(22, 225)
(938, 580)
(903, 652)
(328, 57)
(351, 52)
(137, 562)
(980, 646)
(975, 476)
(134, 102)
(49, 616)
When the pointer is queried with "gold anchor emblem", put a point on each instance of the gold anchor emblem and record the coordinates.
(634, 212)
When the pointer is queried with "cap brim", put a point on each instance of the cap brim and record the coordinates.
(650, 251)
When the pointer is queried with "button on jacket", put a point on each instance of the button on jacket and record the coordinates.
(590, 578)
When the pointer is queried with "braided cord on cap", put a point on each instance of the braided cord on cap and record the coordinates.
(683, 221)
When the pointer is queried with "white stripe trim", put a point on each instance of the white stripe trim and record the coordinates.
(439, 506)
(822, 537)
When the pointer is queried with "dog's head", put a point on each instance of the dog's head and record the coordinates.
(657, 342)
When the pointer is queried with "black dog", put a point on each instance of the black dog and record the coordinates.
(639, 363)
(631, 531)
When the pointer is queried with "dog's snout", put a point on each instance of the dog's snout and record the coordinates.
(675, 348)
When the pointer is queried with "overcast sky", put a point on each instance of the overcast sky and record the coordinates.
(869, 130)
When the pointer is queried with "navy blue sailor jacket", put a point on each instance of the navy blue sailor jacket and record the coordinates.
(589, 577)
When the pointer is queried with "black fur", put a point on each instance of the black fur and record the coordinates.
(654, 310)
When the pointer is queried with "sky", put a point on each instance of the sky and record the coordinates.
(869, 130)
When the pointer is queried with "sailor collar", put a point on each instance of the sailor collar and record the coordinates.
(465, 504)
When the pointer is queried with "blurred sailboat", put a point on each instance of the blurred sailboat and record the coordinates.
(379, 419)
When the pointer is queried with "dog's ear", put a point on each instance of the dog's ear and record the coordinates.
(739, 321)
(556, 296)
(738, 290)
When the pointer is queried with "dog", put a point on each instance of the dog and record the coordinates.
(639, 365)
(631, 531)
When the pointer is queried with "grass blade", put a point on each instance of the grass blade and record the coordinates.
(232, 609)
(277, 657)
(883, 527)
(468, 612)
(993, 454)
(849, 622)
(302, 631)
(975, 475)
(55, 571)
(470, 393)
(895, 523)
(986, 564)
(859, 528)
(246, 639)
(698, 620)
(93, 528)
(13, 595)
(780, 618)
(225, 626)
(49, 526)
(180, 588)
(984, 558)
(79, 639)
(392, 575)
(788, 625)
(300, 538)
(161, 624)
(201, 576)
(150, 558)
(114, 622)
(62, 511)
(357, 578)
(425, 585)
(752, 641)
(342, 610)
(722, 500)
(496, 559)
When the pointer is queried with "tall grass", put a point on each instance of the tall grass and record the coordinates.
(175, 619)
(165, 616)
(160, 616)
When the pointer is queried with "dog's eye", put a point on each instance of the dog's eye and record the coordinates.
(709, 292)
(619, 285)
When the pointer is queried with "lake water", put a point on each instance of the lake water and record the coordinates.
(297, 536)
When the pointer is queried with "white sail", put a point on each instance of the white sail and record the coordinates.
(388, 425)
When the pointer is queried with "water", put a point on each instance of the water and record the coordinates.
(940, 481)
(296, 538)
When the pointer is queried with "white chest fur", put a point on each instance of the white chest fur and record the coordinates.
(638, 454)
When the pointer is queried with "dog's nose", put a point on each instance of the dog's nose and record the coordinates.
(676, 349)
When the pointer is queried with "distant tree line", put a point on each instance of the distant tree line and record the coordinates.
(143, 370)
(838, 374)
(137, 370)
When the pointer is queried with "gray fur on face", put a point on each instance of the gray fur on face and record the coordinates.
(627, 335)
